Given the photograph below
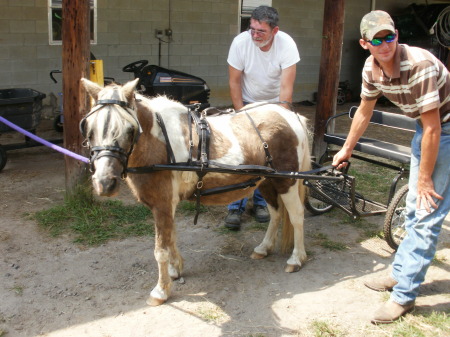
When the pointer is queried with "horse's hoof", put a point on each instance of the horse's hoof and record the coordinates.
(292, 268)
(154, 302)
(257, 256)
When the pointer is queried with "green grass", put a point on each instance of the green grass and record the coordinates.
(323, 329)
(190, 207)
(434, 324)
(323, 241)
(95, 222)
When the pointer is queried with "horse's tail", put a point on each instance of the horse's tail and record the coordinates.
(287, 232)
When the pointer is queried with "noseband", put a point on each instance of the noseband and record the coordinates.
(114, 151)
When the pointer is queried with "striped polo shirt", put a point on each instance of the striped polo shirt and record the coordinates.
(420, 82)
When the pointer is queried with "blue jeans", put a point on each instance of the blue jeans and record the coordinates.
(240, 204)
(417, 250)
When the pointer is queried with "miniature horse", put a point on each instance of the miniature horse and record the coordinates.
(122, 130)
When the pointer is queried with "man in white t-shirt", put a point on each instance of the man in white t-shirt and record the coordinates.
(262, 68)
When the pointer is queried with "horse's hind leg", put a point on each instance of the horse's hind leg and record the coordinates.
(296, 213)
(266, 246)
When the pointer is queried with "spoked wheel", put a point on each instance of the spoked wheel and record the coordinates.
(341, 97)
(3, 158)
(394, 222)
(313, 204)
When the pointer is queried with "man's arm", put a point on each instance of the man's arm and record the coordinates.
(359, 125)
(287, 84)
(429, 150)
(235, 77)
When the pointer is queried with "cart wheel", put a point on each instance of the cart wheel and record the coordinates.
(58, 124)
(394, 222)
(3, 158)
(317, 206)
(341, 96)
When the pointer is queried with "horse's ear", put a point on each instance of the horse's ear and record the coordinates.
(92, 88)
(128, 89)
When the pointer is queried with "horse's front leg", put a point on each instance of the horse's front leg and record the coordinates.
(167, 256)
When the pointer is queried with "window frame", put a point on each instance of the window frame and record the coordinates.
(57, 5)
(245, 11)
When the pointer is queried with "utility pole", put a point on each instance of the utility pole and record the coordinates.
(75, 65)
(330, 67)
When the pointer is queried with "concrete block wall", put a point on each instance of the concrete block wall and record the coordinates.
(202, 31)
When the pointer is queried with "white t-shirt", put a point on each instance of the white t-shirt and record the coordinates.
(262, 70)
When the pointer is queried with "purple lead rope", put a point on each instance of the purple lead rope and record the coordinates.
(43, 141)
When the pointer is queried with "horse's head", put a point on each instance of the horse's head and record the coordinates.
(111, 129)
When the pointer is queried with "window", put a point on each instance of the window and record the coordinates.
(247, 7)
(55, 21)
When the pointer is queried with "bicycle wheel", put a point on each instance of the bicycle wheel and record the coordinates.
(312, 203)
(394, 222)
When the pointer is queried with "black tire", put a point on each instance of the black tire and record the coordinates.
(317, 206)
(394, 222)
(3, 158)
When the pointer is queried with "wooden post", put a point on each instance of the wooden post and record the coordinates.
(330, 67)
(75, 64)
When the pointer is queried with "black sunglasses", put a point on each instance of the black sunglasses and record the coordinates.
(379, 40)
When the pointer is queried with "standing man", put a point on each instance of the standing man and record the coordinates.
(419, 84)
(262, 68)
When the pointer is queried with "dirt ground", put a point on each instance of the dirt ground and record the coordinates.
(53, 287)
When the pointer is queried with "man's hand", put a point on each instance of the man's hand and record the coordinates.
(425, 194)
(340, 159)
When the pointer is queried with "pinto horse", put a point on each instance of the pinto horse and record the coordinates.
(124, 130)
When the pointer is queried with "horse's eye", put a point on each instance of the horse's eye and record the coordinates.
(130, 133)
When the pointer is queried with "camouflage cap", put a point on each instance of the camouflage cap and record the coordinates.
(375, 22)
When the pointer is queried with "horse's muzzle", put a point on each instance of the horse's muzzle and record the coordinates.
(106, 187)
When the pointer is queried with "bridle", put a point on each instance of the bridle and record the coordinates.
(113, 151)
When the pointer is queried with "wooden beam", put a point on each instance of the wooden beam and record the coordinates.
(330, 67)
(75, 64)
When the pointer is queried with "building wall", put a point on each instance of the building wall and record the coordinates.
(202, 33)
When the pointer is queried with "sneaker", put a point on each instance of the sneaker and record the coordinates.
(381, 284)
(233, 219)
(261, 213)
(390, 312)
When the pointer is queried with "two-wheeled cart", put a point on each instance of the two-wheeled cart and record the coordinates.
(381, 152)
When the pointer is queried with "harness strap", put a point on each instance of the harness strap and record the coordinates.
(191, 142)
(170, 154)
(265, 145)
(228, 188)
(221, 189)
(123, 104)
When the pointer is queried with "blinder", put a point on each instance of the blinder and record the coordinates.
(117, 152)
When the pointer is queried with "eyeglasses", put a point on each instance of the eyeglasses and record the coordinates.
(257, 32)
(379, 40)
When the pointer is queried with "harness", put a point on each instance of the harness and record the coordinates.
(114, 151)
(202, 161)
(201, 164)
